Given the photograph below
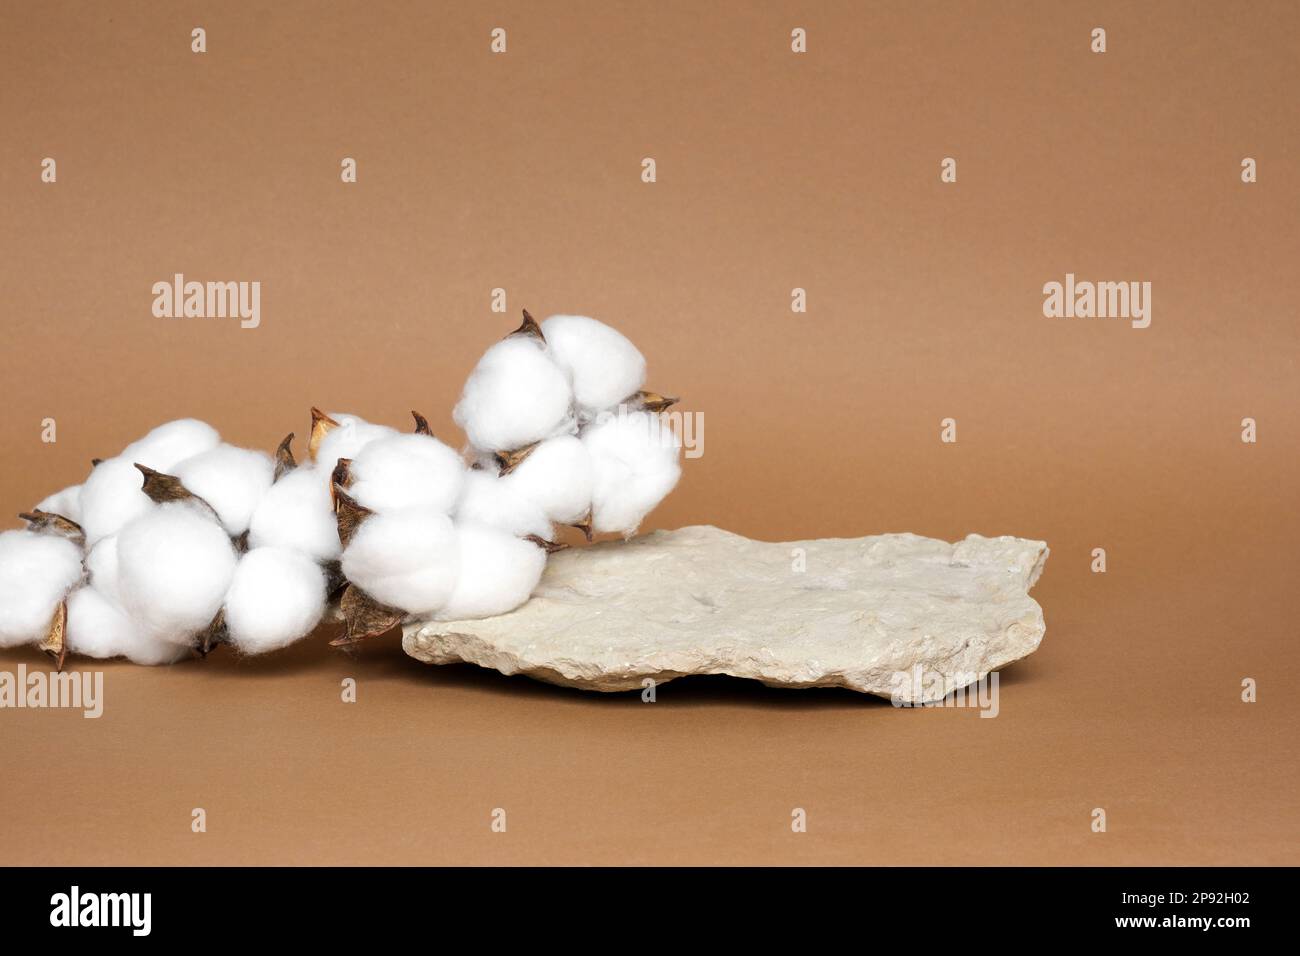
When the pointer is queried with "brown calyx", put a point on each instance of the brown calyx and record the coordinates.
(508, 461)
(47, 522)
(364, 617)
(162, 488)
(529, 327)
(213, 636)
(284, 460)
(348, 514)
(584, 525)
(651, 401)
(550, 547)
(321, 425)
(55, 642)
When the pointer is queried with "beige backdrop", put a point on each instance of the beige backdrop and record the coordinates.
(775, 171)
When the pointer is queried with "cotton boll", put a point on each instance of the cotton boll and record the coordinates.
(405, 559)
(556, 476)
(488, 500)
(98, 628)
(66, 502)
(101, 564)
(168, 445)
(297, 513)
(407, 471)
(174, 567)
(275, 597)
(515, 396)
(634, 466)
(232, 480)
(111, 497)
(36, 573)
(347, 440)
(497, 573)
(603, 364)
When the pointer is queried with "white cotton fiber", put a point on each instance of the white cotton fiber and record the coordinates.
(174, 567)
(97, 627)
(297, 513)
(275, 597)
(556, 476)
(232, 480)
(515, 396)
(36, 573)
(66, 502)
(407, 471)
(168, 445)
(347, 440)
(111, 497)
(634, 459)
(497, 573)
(602, 363)
(405, 559)
(101, 565)
(488, 500)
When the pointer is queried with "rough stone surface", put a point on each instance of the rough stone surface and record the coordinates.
(704, 601)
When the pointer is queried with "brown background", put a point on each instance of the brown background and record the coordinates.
(775, 171)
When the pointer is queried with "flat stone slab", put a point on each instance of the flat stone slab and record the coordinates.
(832, 612)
